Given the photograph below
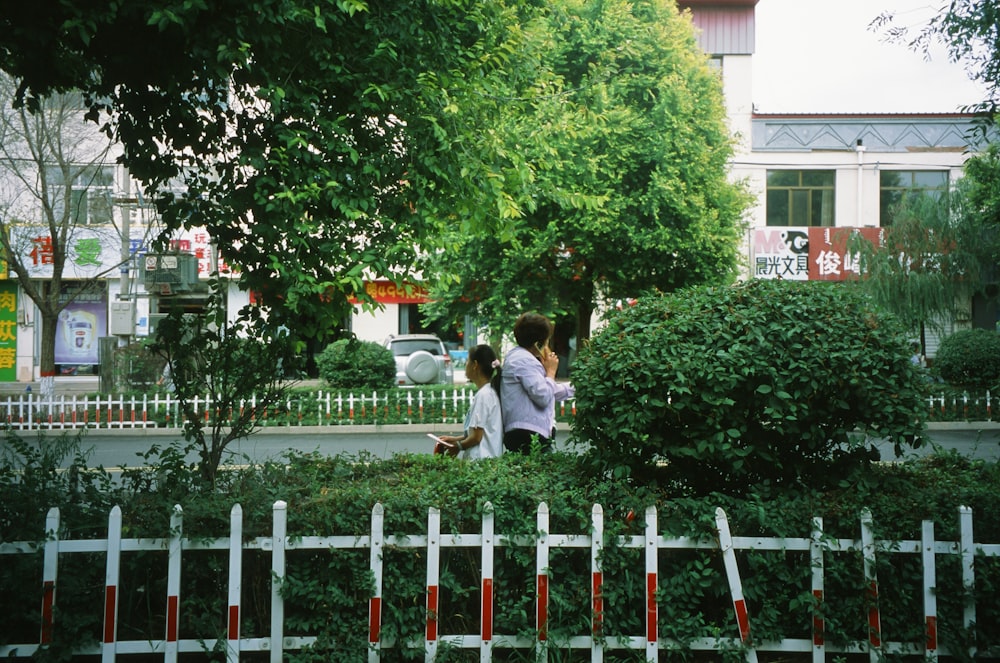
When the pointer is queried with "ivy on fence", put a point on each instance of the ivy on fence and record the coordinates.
(329, 580)
(329, 408)
(436, 594)
(319, 408)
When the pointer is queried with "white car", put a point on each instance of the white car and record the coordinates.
(421, 359)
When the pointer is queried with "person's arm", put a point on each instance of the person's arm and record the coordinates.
(463, 442)
(467, 441)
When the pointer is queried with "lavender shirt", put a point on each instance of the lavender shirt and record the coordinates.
(527, 395)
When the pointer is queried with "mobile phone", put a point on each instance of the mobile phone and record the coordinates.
(439, 440)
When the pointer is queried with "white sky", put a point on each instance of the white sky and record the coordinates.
(819, 56)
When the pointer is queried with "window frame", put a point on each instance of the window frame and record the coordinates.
(91, 187)
(884, 206)
(803, 198)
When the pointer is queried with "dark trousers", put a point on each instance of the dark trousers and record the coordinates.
(519, 441)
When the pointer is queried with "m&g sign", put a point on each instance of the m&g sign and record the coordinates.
(806, 253)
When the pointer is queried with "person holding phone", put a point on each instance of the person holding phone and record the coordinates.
(483, 436)
(528, 388)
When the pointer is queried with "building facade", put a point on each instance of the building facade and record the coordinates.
(815, 177)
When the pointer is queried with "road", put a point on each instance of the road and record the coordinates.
(980, 440)
(121, 448)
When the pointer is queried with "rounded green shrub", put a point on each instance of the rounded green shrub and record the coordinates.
(354, 364)
(970, 358)
(740, 387)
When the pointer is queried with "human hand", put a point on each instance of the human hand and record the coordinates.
(550, 360)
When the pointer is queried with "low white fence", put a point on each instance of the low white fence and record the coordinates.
(321, 408)
(817, 548)
(324, 408)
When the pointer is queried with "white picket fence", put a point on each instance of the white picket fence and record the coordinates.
(818, 547)
(161, 410)
(323, 408)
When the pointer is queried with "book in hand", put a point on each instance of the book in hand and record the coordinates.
(439, 444)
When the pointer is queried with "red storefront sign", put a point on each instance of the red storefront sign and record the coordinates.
(387, 292)
(806, 253)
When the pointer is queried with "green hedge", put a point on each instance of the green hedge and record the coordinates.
(354, 364)
(970, 359)
(761, 382)
(327, 591)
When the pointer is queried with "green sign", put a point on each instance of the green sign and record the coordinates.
(8, 331)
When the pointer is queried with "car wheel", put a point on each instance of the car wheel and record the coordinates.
(421, 367)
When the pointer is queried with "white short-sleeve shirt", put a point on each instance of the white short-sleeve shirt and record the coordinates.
(485, 413)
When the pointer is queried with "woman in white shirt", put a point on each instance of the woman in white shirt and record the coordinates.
(483, 436)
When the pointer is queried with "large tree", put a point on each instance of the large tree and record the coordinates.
(624, 127)
(59, 229)
(926, 266)
(318, 142)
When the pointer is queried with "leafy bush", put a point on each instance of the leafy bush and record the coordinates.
(327, 590)
(136, 368)
(970, 358)
(229, 361)
(764, 382)
(354, 364)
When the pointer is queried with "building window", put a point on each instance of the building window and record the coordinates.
(800, 197)
(90, 191)
(896, 185)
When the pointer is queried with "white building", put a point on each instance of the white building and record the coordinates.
(812, 174)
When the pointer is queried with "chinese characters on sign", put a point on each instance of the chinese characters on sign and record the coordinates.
(387, 292)
(8, 332)
(199, 243)
(90, 252)
(806, 254)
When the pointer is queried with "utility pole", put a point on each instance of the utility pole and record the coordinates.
(123, 309)
(125, 284)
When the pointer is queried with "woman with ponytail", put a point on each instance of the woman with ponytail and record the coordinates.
(483, 436)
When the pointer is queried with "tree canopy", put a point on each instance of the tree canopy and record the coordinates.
(317, 143)
(925, 267)
(625, 127)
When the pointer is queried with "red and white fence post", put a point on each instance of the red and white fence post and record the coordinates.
(235, 583)
(375, 603)
(50, 570)
(109, 643)
(597, 584)
(871, 578)
(279, 532)
(735, 584)
(652, 613)
(486, 596)
(542, 584)
(930, 587)
(816, 563)
(433, 578)
(967, 550)
(173, 584)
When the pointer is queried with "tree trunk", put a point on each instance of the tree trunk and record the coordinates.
(47, 360)
(584, 311)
